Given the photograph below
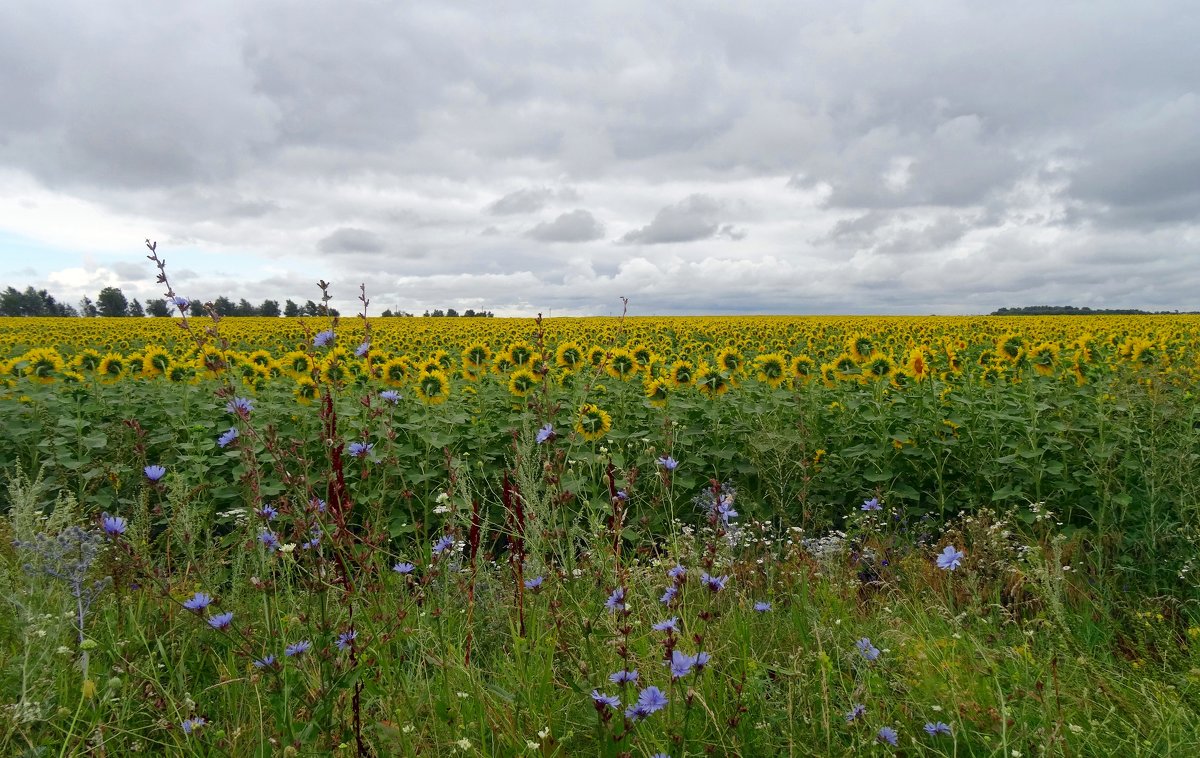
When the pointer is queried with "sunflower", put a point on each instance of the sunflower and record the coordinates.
(681, 373)
(772, 369)
(569, 355)
(211, 359)
(335, 369)
(802, 369)
(730, 361)
(520, 353)
(443, 359)
(137, 365)
(860, 347)
(711, 381)
(592, 422)
(879, 366)
(1044, 357)
(642, 354)
(396, 371)
(112, 367)
(306, 390)
(475, 357)
(180, 372)
(155, 361)
(502, 362)
(1011, 347)
(433, 388)
(522, 382)
(917, 366)
(298, 363)
(621, 363)
(261, 357)
(43, 364)
(86, 360)
(596, 355)
(846, 367)
(657, 391)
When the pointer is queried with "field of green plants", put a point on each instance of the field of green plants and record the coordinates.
(614, 537)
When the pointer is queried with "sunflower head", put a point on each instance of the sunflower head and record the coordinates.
(658, 391)
(772, 368)
(396, 371)
(621, 363)
(802, 369)
(112, 367)
(522, 382)
(476, 356)
(682, 373)
(879, 366)
(569, 355)
(433, 388)
(860, 347)
(592, 422)
(730, 361)
(917, 365)
(306, 390)
(711, 381)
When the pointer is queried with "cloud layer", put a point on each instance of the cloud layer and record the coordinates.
(916, 157)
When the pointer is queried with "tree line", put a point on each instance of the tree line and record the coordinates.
(112, 302)
(1071, 310)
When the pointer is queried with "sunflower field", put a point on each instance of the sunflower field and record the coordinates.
(223, 456)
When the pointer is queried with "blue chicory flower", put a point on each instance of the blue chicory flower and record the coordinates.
(950, 558)
(392, 396)
(442, 544)
(934, 728)
(227, 437)
(239, 406)
(545, 433)
(198, 602)
(323, 338)
(872, 505)
(360, 449)
(762, 607)
(154, 473)
(616, 601)
(669, 463)
(650, 700)
(221, 620)
(888, 735)
(297, 648)
(113, 525)
(868, 651)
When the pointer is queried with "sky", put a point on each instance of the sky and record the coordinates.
(695, 156)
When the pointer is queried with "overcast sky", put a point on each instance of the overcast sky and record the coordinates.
(917, 156)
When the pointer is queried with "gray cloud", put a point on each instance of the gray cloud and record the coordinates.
(575, 226)
(693, 218)
(351, 240)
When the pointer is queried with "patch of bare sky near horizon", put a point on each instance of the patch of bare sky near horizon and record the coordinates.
(862, 157)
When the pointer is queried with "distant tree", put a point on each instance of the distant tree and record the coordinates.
(290, 309)
(269, 308)
(387, 313)
(135, 309)
(224, 306)
(244, 308)
(156, 306)
(12, 303)
(111, 302)
(87, 308)
(438, 313)
(311, 309)
(451, 313)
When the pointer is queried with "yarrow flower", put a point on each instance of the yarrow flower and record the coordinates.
(545, 433)
(403, 568)
(872, 505)
(227, 437)
(198, 602)
(762, 607)
(346, 639)
(323, 338)
(650, 700)
(714, 583)
(616, 601)
(392, 396)
(869, 651)
(603, 701)
(534, 583)
(888, 735)
(934, 728)
(359, 449)
(669, 463)
(190, 725)
(297, 648)
(239, 405)
(221, 620)
(670, 625)
(623, 677)
(857, 711)
(154, 473)
(950, 558)
(113, 525)
(362, 349)
(265, 662)
(442, 544)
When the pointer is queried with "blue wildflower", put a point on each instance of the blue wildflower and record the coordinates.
(239, 406)
(950, 558)
(269, 539)
(346, 639)
(669, 463)
(534, 583)
(545, 433)
(857, 711)
(182, 303)
(297, 648)
(190, 725)
(113, 525)
(154, 473)
(403, 568)
(624, 677)
(265, 662)
(442, 544)
(221, 620)
(677, 573)
(603, 701)
(616, 601)
(323, 338)
(362, 350)
(670, 625)
(267, 512)
(725, 509)
(198, 602)
(869, 651)
(762, 607)
(650, 700)
(359, 449)
(227, 437)
(681, 664)
(872, 505)
(714, 583)
(392, 396)
(888, 735)
(701, 659)
(669, 595)
(934, 728)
